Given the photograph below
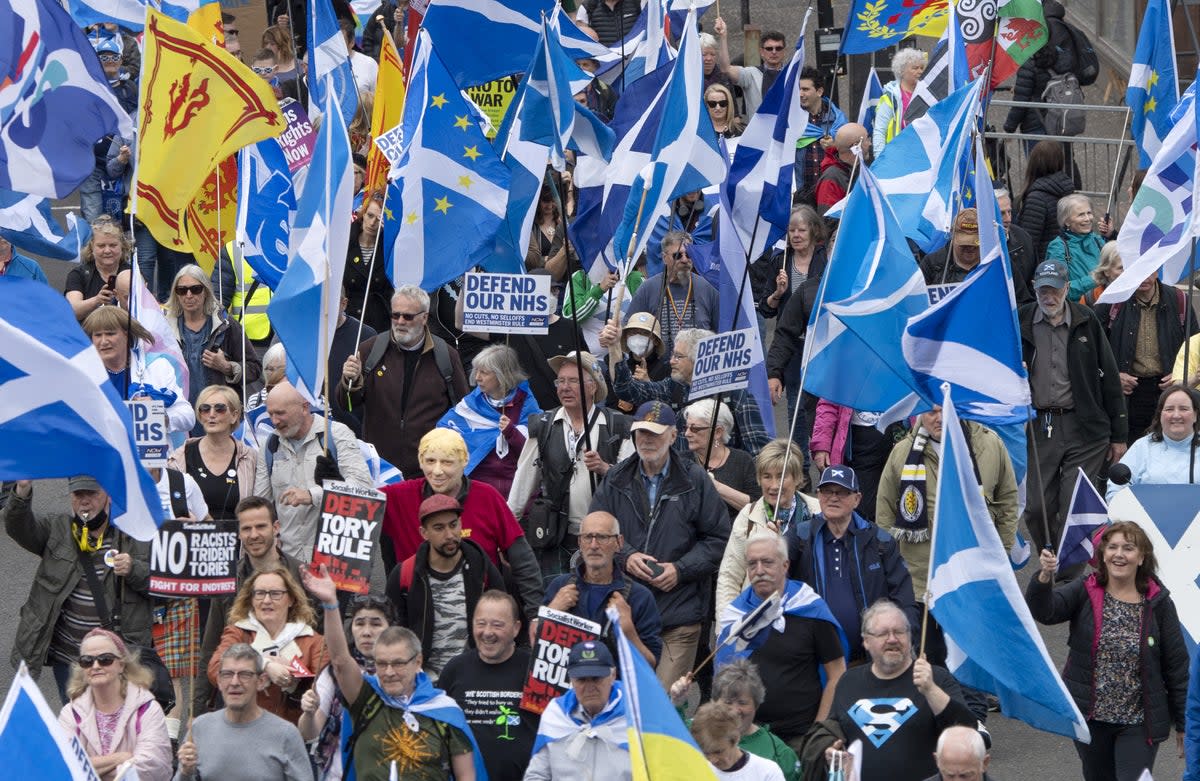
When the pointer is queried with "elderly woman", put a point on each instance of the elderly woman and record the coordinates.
(731, 469)
(212, 345)
(110, 329)
(1127, 663)
(1165, 454)
(113, 713)
(493, 419)
(908, 65)
(94, 282)
(443, 457)
(272, 614)
(719, 100)
(1105, 273)
(1077, 245)
(779, 276)
(779, 468)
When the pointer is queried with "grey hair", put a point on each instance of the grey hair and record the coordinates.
(399, 634)
(502, 361)
(1067, 203)
(195, 272)
(703, 410)
(707, 41)
(690, 336)
(1002, 192)
(967, 735)
(275, 352)
(905, 57)
(415, 293)
(739, 677)
(1110, 256)
(776, 540)
(243, 651)
(878, 608)
(675, 238)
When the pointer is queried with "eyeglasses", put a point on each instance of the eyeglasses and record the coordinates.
(220, 409)
(383, 664)
(262, 593)
(588, 539)
(772, 48)
(897, 633)
(110, 58)
(717, 103)
(105, 660)
(697, 429)
(245, 676)
(189, 290)
(679, 254)
(569, 382)
(839, 493)
(263, 71)
(407, 317)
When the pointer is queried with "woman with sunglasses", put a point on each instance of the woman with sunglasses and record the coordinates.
(272, 614)
(221, 465)
(719, 100)
(113, 713)
(322, 706)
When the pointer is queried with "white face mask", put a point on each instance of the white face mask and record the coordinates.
(638, 345)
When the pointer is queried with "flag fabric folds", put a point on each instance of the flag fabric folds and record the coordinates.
(969, 577)
(304, 309)
(526, 164)
(746, 622)
(946, 72)
(872, 25)
(32, 743)
(386, 113)
(1020, 31)
(27, 222)
(54, 101)
(660, 746)
(59, 414)
(1087, 514)
(872, 91)
(266, 210)
(197, 103)
(212, 214)
(329, 61)
(131, 14)
(1153, 84)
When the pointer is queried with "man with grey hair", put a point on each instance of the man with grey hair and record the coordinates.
(403, 382)
(961, 756)
(242, 742)
(1021, 253)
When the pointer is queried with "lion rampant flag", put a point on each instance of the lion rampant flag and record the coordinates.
(199, 105)
(387, 113)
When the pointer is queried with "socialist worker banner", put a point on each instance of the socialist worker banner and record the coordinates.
(351, 518)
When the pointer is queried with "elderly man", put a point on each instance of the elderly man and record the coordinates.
(895, 706)
(951, 264)
(659, 491)
(961, 756)
(398, 714)
(288, 473)
(598, 584)
(583, 734)
(1076, 386)
(14, 264)
(404, 381)
(1020, 249)
(834, 181)
(800, 653)
(561, 465)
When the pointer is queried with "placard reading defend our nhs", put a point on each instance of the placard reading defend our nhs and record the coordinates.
(507, 303)
(723, 362)
(150, 431)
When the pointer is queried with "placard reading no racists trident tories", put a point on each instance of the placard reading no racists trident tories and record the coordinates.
(723, 362)
(507, 303)
(351, 518)
(194, 559)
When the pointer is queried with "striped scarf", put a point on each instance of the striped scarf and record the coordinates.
(912, 514)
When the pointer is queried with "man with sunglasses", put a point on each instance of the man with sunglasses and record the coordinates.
(754, 81)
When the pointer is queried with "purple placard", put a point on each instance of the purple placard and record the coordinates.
(298, 137)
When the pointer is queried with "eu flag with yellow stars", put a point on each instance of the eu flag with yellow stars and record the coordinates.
(445, 205)
(1153, 87)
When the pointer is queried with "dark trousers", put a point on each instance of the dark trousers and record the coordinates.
(1057, 451)
(1118, 752)
(1140, 406)
(869, 450)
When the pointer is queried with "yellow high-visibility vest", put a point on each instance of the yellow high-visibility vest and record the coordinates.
(257, 326)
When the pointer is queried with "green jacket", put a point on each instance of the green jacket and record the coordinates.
(59, 572)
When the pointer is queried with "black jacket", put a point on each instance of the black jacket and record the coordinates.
(1022, 255)
(1121, 326)
(1164, 656)
(382, 22)
(376, 309)
(1058, 55)
(1039, 209)
(791, 328)
(1095, 381)
(764, 271)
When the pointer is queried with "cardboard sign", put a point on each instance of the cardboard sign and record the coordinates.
(351, 518)
(298, 137)
(194, 559)
(547, 678)
(507, 303)
(938, 292)
(493, 100)
(723, 362)
(150, 431)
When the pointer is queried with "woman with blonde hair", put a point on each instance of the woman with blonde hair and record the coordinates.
(721, 110)
(103, 276)
(1105, 273)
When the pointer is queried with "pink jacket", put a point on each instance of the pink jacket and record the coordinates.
(141, 730)
(246, 462)
(831, 428)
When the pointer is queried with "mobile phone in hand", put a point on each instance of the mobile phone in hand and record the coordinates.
(655, 568)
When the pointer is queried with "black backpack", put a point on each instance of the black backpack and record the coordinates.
(1087, 62)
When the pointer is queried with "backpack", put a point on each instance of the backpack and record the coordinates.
(1180, 300)
(1064, 88)
(1087, 62)
(441, 356)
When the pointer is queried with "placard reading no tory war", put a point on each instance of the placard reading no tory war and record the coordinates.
(507, 303)
(723, 362)
(194, 559)
(351, 518)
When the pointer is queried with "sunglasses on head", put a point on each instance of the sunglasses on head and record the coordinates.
(105, 660)
(407, 317)
(717, 103)
(189, 290)
(218, 408)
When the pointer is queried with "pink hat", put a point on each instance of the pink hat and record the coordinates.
(113, 637)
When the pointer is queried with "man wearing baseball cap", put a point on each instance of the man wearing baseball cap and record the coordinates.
(1076, 387)
(582, 734)
(952, 263)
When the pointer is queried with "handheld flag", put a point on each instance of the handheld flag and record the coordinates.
(872, 91)
(746, 622)
(1087, 514)
(1153, 85)
(266, 210)
(969, 577)
(32, 742)
(27, 222)
(59, 414)
(1019, 32)
(946, 72)
(872, 25)
(329, 62)
(387, 112)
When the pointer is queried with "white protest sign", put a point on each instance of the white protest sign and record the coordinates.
(507, 303)
(723, 362)
(391, 144)
(150, 432)
(938, 292)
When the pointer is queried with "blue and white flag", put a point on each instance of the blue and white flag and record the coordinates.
(1087, 514)
(685, 157)
(646, 47)
(870, 289)
(27, 222)
(477, 420)
(32, 742)
(1153, 87)
(872, 92)
(745, 624)
(946, 72)
(760, 179)
(130, 14)
(329, 62)
(54, 101)
(304, 310)
(266, 210)
(558, 721)
(448, 198)
(383, 473)
(526, 164)
(59, 414)
(970, 577)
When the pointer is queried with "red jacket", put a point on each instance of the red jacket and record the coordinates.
(486, 519)
(832, 188)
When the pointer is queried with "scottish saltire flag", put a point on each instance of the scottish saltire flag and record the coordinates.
(609, 724)
(477, 420)
(448, 198)
(685, 157)
(32, 743)
(746, 622)
(54, 101)
(870, 289)
(526, 164)
(130, 14)
(946, 72)
(304, 309)
(970, 577)
(646, 47)
(872, 91)
(27, 222)
(760, 180)
(677, 11)
(266, 209)
(329, 62)
(1161, 221)
(660, 746)
(872, 25)
(1168, 514)
(59, 414)
(1153, 86)
(1087, 514)
(383, 473)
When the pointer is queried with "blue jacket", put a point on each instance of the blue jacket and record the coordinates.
(22, 267)
(1191, 735)
(642, 606)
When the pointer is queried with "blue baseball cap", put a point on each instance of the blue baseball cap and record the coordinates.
(590, 659)
(839, 475)
(106, 45)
